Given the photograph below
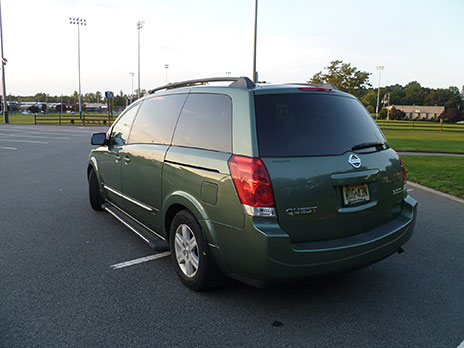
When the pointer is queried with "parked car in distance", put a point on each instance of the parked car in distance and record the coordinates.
(261, 183)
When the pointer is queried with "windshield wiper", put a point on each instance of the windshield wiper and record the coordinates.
(367, 145)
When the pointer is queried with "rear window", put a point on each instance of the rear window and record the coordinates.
(205, 123)
(311, 124)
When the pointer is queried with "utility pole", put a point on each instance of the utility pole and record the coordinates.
(139, 26)
(388, 106)
(5, 110)
(255, 74)
(166, 66)
(78, 21)
(132, 93)
(379, 68)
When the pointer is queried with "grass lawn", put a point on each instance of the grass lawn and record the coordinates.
(29, 119)
(19, 119)
(444, 173)
(452, 142)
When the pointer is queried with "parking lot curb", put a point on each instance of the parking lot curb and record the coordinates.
(436, 192)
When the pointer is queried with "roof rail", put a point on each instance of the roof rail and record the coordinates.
(327, 85)
(237, 82)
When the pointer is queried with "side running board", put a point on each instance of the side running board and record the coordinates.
(154, 240)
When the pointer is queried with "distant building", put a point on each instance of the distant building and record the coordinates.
(93, 107)
(421, 112)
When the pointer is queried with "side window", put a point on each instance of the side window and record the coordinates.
(156, 119)
(205, 123)
(121, 129)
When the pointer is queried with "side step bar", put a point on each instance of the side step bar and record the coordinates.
(149, 236)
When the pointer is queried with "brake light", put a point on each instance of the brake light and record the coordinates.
(315, 89)
(253, 185)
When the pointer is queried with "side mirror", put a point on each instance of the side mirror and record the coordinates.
(98, 139)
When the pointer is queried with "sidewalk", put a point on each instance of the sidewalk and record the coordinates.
(435, 192)
(430, 153)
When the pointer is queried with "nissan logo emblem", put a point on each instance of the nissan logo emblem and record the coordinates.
(355, 161)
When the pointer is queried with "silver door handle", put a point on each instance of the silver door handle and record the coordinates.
(117, 157)
(126, 159)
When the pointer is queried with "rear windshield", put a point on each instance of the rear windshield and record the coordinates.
(312, 124)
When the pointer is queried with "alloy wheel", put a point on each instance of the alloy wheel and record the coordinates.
(186, 249)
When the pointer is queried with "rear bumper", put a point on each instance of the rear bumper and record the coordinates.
(267, 255)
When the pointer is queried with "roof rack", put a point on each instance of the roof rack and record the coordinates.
(327, 85)
(237, 82)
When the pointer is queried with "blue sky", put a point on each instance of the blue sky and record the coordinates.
(414, 40)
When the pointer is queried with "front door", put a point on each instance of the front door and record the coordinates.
(109, 164)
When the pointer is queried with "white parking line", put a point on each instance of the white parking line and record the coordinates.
(409, 190)
(25, 141)
(8, 148)
(22, 130)
(140, 260)
(32, 136)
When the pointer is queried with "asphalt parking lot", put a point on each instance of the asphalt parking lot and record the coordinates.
(62, 283)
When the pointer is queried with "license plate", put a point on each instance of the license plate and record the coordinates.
(355, 194)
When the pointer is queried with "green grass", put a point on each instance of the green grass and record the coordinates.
(400, 140)
(443, 173)
(66, 118)
(424, 125)
(19, 119)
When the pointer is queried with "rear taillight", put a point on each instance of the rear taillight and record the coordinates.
(253, 185)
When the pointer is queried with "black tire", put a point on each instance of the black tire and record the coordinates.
(206, 273)
(95, 197)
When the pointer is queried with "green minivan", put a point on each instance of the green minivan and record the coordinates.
(261, 183)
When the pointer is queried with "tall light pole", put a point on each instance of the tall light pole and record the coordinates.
(5, 111)
(132, 93)
(139, 26)
(255, 74)
(78, 21)
(379, 68)
(166, 66)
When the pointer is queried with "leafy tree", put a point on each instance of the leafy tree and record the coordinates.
(454, 99)
(451, 114)
(120, 100)
(98, 97)
(397, 94)
(89, 98)
(396, 114)
(40, 97)
(383, 114)
(370, 98)
(345, 77)
(75, 97)
(414, 94)
(142, 92)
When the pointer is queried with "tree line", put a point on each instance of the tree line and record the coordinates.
(351, 80)
(345, 77)
(120, 99)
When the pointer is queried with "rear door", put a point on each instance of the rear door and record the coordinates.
(332, 172)
(143, 157)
